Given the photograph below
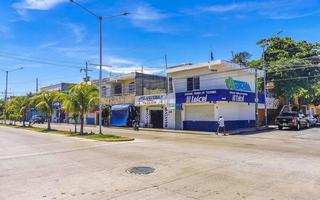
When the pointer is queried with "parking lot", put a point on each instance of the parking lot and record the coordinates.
(270, 165)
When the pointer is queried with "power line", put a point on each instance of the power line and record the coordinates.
(39, 61)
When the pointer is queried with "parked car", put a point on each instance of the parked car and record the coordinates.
(37, 119)
(294, 120)
(312, 120)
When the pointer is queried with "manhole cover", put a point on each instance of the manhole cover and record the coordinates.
(141, 170)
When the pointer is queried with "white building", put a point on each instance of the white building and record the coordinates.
(205, 91)
(157, 111)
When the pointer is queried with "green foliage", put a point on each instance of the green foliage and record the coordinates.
(80, 99)
(289, 68)
(241, 58)
(44, 102)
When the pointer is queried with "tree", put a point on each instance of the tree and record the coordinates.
(241, 58)
(1, 107)
(288, 66)
(22, 107)
(12, 110)
(44, 102)
(80, 99)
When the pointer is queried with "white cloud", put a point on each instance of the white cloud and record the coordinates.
(148, 18)
(48, 45)
(78, 31)
(208, 35)
(37, 4)
(272, 9)
(147, 13)
(119, 61)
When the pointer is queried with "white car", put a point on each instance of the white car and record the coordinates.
(312, 120)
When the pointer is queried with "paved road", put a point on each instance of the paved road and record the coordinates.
(273, 165)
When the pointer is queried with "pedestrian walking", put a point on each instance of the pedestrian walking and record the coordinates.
(221, 127)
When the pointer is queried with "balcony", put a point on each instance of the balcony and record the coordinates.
(122, 98)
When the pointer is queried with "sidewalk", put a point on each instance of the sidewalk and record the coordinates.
(94, 128)
(233, 132)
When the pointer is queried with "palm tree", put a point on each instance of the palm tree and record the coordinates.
(241, 58)
(22, 105)
(80, 99)
(44, 102)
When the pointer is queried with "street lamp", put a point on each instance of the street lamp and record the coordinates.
(6, 90)
(100, 18)
(265, 79)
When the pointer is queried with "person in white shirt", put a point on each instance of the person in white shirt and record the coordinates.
(221, 127)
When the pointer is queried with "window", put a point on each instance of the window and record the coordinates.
(132, 87)
(193, 83)
(117, 89)
(196, 83)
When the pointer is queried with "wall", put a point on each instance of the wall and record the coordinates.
(211, 80)
(168, 112)
(236, 111)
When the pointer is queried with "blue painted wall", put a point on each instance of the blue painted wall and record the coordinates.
(212, 126)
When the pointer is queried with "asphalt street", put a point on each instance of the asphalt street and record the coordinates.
(271, 165)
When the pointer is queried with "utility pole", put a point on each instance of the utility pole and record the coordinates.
(86, 70)
(167, 80)
(37, 85)
(6, 90)
(100, 18)
(265, 87)
(257, 97)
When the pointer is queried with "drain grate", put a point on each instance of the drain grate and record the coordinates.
(141, 170)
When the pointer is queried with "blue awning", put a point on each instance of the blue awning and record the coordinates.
(120, 114)
(120, 107)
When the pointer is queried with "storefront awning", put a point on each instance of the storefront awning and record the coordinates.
(120, 107)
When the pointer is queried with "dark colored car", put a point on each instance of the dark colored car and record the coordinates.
(37, 119)
(292, 120)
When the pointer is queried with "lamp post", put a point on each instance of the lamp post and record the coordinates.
(6, 90)
(100, 18)
(264, 63)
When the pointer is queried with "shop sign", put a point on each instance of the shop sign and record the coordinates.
(237, 85)
(149, 100)
(211, 96)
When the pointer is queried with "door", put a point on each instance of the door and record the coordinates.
(156, 118)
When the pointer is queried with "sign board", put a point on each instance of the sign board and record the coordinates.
(237, 85)
(212, 96)
(150, 100)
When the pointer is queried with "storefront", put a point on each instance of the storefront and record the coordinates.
(200, 110)
(156, 111)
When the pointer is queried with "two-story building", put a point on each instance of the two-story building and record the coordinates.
(58, 115)
(120, 92)
(205, 91)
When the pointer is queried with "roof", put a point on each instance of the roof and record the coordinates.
(56, 85)
(212, 64)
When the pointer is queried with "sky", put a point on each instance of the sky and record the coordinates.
(53, 39)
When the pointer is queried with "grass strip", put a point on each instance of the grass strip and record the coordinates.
(99, 137)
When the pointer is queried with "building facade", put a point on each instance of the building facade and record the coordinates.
(203, 92)
(157, 111)
(120, 93)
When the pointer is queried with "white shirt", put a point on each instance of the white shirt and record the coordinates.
(221, 122)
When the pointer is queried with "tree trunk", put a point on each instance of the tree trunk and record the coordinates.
(24, 120)
(75, 127)
(49, 123)
(81, 124)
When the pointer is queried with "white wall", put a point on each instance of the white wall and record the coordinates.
(168, 115)
(210, 80)
(236, 111)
